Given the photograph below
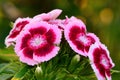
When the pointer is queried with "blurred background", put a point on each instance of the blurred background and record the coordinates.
(101, 17)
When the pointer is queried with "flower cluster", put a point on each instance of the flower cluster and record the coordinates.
(37, 40)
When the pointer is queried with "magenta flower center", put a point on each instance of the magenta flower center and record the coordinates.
(104, 61)
(36, 41)
(83, 39)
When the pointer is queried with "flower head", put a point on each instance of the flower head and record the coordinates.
(18, 26)
(100, 61)
(38, 43)
(76, 36)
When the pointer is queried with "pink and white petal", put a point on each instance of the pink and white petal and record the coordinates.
(90, 52)
(69, 20)
(91, 38)
(37, 25)
(54, 13)
(9, 41)
(74, 47)
(18, 26)
(19, 41)
(97, 73)
(27, 60)
(47, 16)
(41, 17)
(108, 54)
(72, 19)
(46, 57)
(58, 22)
(108, 77)
(21, 20)
(58, 33)
(92, 35)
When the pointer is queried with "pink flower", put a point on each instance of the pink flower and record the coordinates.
(100, 61)
(17, 28)
(48, 16)
(38, 43)
(76, 36)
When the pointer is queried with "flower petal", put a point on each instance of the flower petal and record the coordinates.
(100, 61)
(58, 22)
(48, 16)
(38, 27)
(27, 57)
(54, 13)
(19, 24)
(21, 41)
(92, 38)
(54, 35)
(45, 53)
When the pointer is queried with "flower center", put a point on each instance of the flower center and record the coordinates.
(36, 41)
(104, 61)
(83, 39)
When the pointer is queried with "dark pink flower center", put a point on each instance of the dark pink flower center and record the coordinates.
(36, 41)
(83, 39)
(104, 61)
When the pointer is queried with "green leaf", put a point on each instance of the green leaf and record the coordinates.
(7, 70)
(5, 76)
(20, 75)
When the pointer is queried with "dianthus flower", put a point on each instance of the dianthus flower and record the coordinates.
(100, 61)
(77, 37)
(38, 42)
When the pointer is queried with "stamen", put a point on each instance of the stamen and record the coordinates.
(36, 41)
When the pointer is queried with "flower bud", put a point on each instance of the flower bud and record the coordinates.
(76, 58)
(38, 72)
(74, 62)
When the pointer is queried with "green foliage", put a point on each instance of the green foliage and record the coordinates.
(7, 70)
(20, 74)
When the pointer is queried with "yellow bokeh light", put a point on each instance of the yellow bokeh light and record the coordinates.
(106, 16)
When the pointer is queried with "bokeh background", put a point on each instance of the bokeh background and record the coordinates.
(101, 17)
